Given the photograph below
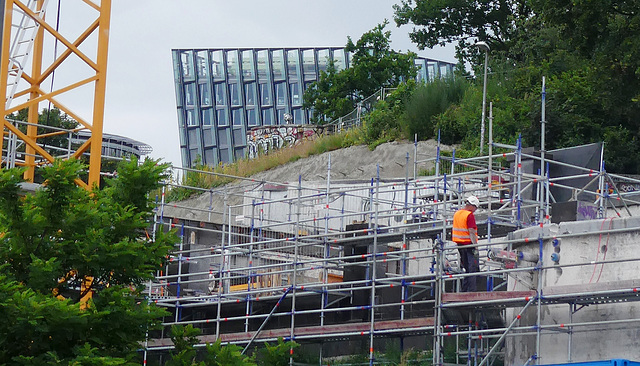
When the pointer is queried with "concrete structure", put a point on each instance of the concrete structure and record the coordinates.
(590, 267)
(222, 93)
(369, 262)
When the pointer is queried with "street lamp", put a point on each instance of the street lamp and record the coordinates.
(483, 46)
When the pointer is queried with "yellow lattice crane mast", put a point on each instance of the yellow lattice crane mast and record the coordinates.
(26, 77)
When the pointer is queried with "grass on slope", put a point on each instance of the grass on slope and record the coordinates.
(211, 177)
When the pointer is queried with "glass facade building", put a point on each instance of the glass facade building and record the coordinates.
(222, 93)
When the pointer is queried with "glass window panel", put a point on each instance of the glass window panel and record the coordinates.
(224, 156)
(209, 157)
(202, 63)
(281, 120)
(297, 117)
(185, 154)
(308, 64)
(190, 93)
(278, 64)
(207, 137)
(193, 138)
(250, 94)
(234, 94)
(265, 94)
(293, 63)
(237, 117)
(281, 94)
(238, 137)
(421, 75)
(252, 117)
(221, 94)
(223, 139)
(217, 69)
(431, 70)
(267, 117)
(191, 118)
(187, 64)
(232, 64)
(205, 94)
(338, 59)
(296, 95)
(323, 60)
(444, 70)
(247, 65)
(207, 117)
(195, 157)
(183, 135)
(263, 65)
(221, 117)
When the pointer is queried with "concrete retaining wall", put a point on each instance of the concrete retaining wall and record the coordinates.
(587, 343)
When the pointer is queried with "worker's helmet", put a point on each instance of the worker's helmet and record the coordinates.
(473, 200)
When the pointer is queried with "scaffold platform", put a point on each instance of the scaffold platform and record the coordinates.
(413, 326)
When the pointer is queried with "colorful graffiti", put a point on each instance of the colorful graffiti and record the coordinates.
(263, 140)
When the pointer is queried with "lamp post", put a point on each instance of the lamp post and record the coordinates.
(483, 46)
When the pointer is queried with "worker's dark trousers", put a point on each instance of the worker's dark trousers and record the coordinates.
(470, 264)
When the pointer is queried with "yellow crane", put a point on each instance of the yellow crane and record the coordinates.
(25, 72)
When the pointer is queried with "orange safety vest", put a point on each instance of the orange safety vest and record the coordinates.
(460, 232)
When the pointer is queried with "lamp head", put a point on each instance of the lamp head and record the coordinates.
(483, 46)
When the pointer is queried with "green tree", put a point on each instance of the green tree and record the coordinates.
(184, 354)
(463, 21)
(277, 354)
(588, 50)
(184, 339)
(61, 243)
(373, 65)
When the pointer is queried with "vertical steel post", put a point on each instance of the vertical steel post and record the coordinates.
(99, 93)
(327, 251)
(543, 123)
(437, 181)
(571, 311)
(539, 296)
(601, 180)
(484, 100)
(415, 156)
(221, 265)
(490, 177)
(374, 255)
(251, 274)
(178, 280)
(294, 284)
(519, 179)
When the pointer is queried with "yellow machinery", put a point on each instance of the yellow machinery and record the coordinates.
(24, 77)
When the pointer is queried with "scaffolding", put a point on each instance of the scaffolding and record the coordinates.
(333, 260)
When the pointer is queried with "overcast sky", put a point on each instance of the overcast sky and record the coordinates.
(140, 99)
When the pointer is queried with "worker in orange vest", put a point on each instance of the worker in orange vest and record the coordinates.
(465, 232)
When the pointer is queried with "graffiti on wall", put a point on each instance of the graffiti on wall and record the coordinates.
(267, 139)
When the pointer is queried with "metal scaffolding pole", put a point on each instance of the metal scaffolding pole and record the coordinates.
(374, 270)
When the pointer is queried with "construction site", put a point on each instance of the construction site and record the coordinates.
(346, 265)
(359, 259)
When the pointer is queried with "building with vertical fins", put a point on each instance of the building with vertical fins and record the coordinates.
(222, 93)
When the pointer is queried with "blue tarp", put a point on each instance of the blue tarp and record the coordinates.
(616, 362)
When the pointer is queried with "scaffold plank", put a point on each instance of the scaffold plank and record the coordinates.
(406, 325)
(485, 296)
